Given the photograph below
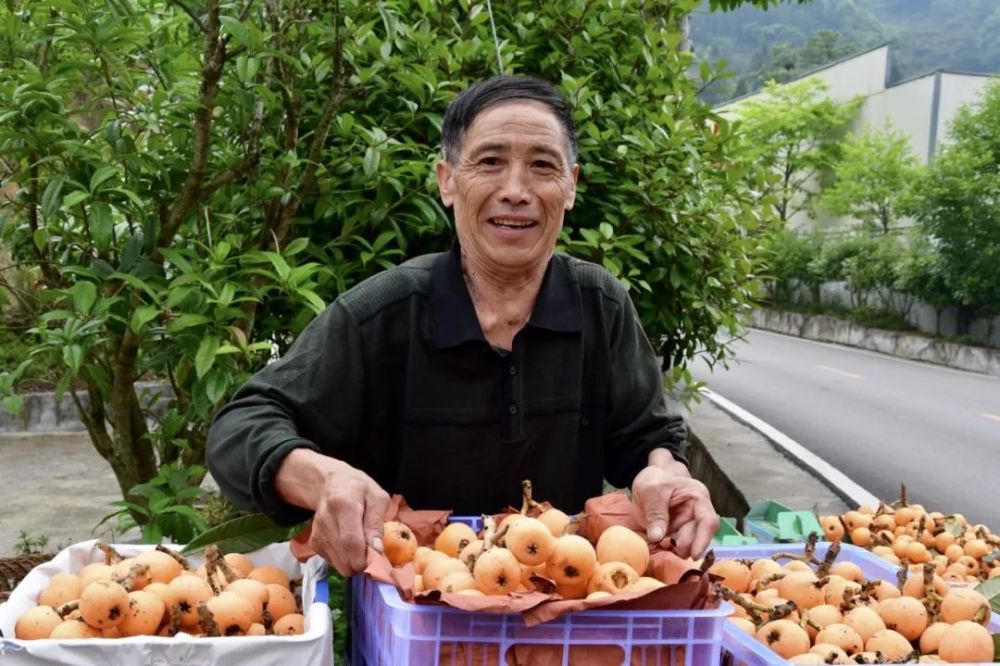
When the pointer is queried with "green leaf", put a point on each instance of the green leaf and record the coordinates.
(102, 226)
(205, 357)
(73, 198)
(996, 647)
(50, 197)
(240, 535)
(990, 588)
(73, 357)
(40, 238)
(371, 161)
(141, 316)
(101, 176)
(84, 296)
(152, 533)
(216, 386)
(186, 320)
(12, 404)
(240, 33)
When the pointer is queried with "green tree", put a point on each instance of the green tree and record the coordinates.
(920, 274)
(196, 180)
(786, 62)
(872, 179)
(794, 130)
(958, 204)
(872, 269)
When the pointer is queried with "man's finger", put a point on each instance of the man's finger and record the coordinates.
(376, 504)
(707, 521)
(683, 538)
(657, 516)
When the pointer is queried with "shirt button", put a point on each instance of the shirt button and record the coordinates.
(512, 370)
(585, 421)
(512, 409)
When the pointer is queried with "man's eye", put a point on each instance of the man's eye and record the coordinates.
(490, 161)
(542, 164)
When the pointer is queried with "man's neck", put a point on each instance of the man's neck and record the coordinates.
(503, 301)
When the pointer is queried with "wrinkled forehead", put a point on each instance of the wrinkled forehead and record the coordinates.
(518, 123)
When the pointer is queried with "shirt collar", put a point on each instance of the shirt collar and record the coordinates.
(453, 317)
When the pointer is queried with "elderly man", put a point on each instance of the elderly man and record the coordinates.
(454, 376)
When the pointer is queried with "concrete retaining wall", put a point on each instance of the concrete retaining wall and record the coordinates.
(904, 345)
(43, 413)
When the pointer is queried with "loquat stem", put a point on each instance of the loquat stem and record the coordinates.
(828, 559)
(527, 502)
(268, 621)
(902, 494)
(111, 556)
(753, 609)
(804, 621)
(782, 610)
(980, 615)
(767, 580)
(174, 625)
(128, 580)
(902, 573)
(67, 608)
(215, 563)
(932, 600)
(208, 623)
(181, 560)
(574, 523)
(707, 561)
(849, 603)
(489, 532)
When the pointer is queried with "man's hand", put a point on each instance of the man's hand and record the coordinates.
(673, 504)
(349, 507)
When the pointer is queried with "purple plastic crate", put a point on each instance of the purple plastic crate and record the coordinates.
(742, 649)
(386, 630)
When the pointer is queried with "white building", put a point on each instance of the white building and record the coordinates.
(921, 107)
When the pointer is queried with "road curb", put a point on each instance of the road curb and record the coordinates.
(829, 475)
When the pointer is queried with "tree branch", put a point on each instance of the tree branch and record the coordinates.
(187, 10)
(214, 60)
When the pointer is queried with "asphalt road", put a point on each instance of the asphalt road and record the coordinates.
(879, 419)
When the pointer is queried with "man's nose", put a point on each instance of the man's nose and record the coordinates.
(516, 188)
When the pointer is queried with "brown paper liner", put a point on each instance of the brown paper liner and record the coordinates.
(537, 607)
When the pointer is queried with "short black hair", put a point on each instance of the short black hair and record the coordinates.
(479, 97)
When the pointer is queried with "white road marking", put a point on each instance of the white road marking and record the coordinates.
(839, 372)
(990, 416)
(832, 476)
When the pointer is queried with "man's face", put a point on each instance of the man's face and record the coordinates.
(510, 186)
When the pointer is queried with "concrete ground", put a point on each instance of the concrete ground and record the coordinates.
(53, 485)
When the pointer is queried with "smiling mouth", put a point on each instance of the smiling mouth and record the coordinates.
(505, 223)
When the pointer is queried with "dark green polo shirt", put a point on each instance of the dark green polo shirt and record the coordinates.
(396, 378)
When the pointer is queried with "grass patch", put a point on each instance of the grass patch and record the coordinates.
(339, 588)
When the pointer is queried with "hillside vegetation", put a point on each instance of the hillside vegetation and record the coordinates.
(786, 40)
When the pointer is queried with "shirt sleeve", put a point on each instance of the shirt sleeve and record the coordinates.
(638, 421)
(310, 398)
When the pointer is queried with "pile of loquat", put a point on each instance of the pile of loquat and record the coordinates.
(158, 594)
(905, 534)
(521, 554)
(813, 611)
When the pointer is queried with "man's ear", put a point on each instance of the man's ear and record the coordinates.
(571, 199)
(443, 169)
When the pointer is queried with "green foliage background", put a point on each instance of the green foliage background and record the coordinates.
(193, 182)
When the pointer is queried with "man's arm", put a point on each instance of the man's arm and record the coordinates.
(309, 399)
(638, 421)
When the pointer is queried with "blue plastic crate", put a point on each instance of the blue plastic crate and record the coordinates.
(741, 648)
(387, 630)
